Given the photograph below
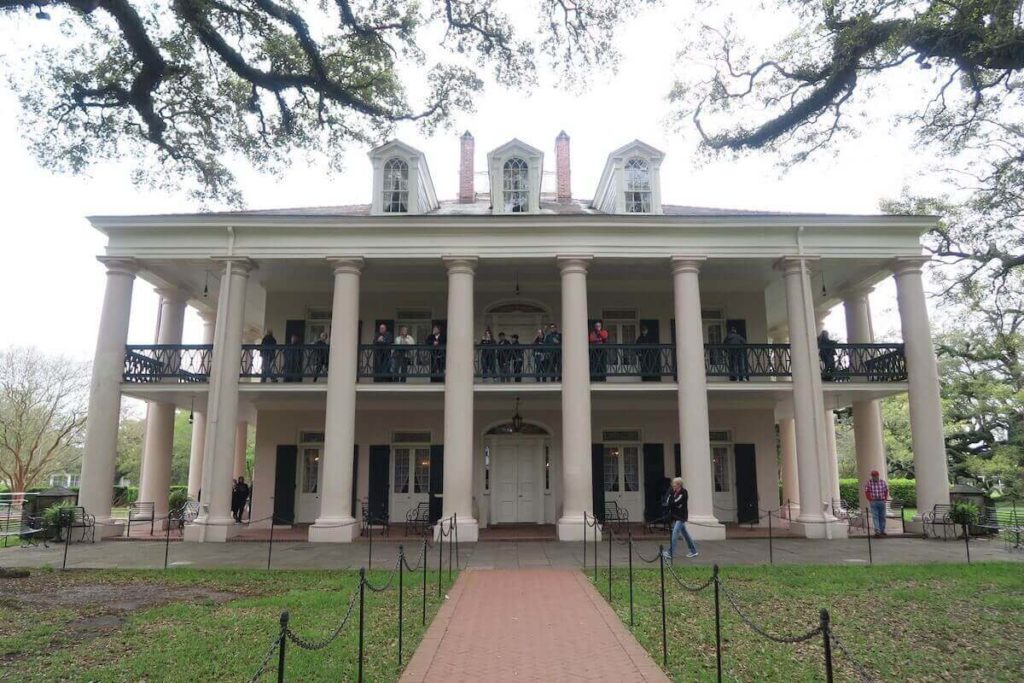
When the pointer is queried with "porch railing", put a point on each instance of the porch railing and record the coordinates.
(168, 363)
(870, 362)
(516, 362)
(740, 362)
(285, 362)
(391, 363)
(650, 362)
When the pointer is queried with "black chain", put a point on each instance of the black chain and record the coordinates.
(862, 673)
(644, 559)
(266, 660)
(313, 645)
(760, 631)
(685, 586)
(391, 579)
(419, 562)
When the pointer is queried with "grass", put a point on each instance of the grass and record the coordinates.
(901, 622)
(207, 638)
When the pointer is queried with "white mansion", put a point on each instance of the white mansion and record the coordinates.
(514, 356)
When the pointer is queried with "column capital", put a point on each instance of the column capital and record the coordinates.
(573, 263)
(908, 265)
(687, 264)
(208, 317)
(856, 292)
(172, 294)
(241, 264)
(119, 264)
(346, 264)
(460, 264)
(790, 265)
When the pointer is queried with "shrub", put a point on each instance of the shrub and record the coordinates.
(123, 495)
(176, 499)
(964, 513)
(52, 514)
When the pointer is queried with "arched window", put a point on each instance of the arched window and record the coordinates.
(516, 186)
(396, 186)
(638, 186)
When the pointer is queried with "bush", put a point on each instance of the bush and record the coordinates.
(964, 513)
(124, 495)
(177, 499)
(52, 514)
(900, 490)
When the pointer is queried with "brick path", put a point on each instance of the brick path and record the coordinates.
(528, 625)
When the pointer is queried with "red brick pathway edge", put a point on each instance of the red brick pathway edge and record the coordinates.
(432, 639)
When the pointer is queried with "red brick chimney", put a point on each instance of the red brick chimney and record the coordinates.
(562, 167)
(467, 195)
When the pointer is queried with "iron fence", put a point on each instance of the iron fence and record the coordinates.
(870, 362)
(284, 362)
(396, 363)
(168, 362)
(517, 362)
(740, 362)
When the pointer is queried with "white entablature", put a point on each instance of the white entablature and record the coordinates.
(515, 171)
(631, 181)
(401, 180)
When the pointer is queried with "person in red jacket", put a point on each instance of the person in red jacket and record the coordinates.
(598, 337)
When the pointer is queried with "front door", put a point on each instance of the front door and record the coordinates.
(746, 483)
(411, 479)
(722, 475)
(284, 484)
(515, 465)
(622, 478)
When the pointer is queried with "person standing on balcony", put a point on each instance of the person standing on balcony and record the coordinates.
(598, 337)
(267, 353)
(293, 360)
(739, 370)
(877, 492)
(436, 343)
(321, 356)
(554, 357)
(827, 354)
(676, 502)
(402, 357)
(488, 358)
(382, 354)
(540, 361)
(504, 358)
(517, 359)
(649, 365)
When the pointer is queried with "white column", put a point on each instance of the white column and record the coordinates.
(790, 485)
(577, 494)
(831, 454)
(815, 519)
(215, 522)
(241, 436)
(155, 479)
(692, 403)
(867, 415)
(926, 426)
(195, 461)
(458, 398)
(100, 454)
(336, 522)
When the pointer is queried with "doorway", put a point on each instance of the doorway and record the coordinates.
(515, 480)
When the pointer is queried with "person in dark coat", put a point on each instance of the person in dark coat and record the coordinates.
(676, 505)
(293, 360)
(553, 338)
(739, 370)
(321, 356)
(267, 353)
(488, 356)
(382, 340)
(649, 359)
(435, 340)
(827, 354)
(540, 357)
(517, 359)
(504, 357)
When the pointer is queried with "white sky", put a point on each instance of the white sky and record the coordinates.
(52, 285)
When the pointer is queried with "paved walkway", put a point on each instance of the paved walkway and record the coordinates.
(528, 625)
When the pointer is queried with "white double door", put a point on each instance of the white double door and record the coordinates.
(515, 489)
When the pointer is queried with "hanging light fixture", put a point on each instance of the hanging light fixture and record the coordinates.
(206, 287)
(192, 411)
(517, 419)
(517, 283)
(824, 292)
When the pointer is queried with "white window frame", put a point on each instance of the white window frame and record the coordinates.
(388, 193)
(508, 193)
(411, 446)
(621, 445)
(638, 194)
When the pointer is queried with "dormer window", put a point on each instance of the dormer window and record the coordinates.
(638, 186)
(516, 186)
(396, 186)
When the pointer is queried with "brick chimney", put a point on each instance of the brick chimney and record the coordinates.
(562, 167)
(467, 195)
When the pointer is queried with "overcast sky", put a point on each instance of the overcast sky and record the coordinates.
(52, 285)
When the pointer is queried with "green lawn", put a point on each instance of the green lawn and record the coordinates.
(903, 623)
(83, 625)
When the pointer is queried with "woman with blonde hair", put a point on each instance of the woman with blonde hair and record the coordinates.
(676, 502)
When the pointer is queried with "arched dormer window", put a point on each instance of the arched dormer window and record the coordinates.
(638, 186)
(515, 186)
(395, 186)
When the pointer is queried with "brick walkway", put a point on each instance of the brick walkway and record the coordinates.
(528, 625)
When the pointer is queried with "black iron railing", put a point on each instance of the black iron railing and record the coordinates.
(740, 362)
(870, 362)
(168, 363)
(285, 362)
(397, 362)
(650, 362)
(516, 362)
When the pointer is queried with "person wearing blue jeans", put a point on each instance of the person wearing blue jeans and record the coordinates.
(676, 503)
(877, 492)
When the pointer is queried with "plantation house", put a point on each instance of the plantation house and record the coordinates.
(513, 355)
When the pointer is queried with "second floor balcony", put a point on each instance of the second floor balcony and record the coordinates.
(512, 363)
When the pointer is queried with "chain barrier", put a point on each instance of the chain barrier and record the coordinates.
(687, 587)
(419, 561)
(760, 631)
(391, 579)
(266, 660)
(320, 645)
(862, 673)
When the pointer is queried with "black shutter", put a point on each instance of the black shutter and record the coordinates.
(654, 480)
(379, 481)
(284, 484)
(679, 461)
(436, 482)
(746, 483)
(597, 478)
(739, 325)
(355, 478)
(296, 327)
(672, 331)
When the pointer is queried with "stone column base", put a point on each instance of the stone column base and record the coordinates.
(340, 530)
(109, 528)
(791, 512)
(212, 531)
(468, 530)
(819, 528)
(705, 529)
(572, 528)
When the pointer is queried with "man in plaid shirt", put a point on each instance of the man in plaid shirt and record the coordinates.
(877, 492)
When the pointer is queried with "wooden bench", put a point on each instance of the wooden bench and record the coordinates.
(77, 518)
(1006, 522)
(615, 515)
(418, 519)
(140, 512)
(938, 516)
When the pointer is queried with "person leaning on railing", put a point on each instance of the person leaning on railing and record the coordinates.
(382, 342)
(401, 358)
(739, 370)
(827, 354)
(435, 340)
(267, 345)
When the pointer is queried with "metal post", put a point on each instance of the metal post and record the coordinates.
(167, 541)
(631, 621)
(450, 547)
(826, 637)
(440, 555)
(362, 597)
(64, 519)
(867, 527)
(609, 566)
(401, 596)
(456, 515)
(967, 543)
(424, 581)
(280, 647)
(771, 549)
(270, 548)
(595, 552)
(664, 625)
(369, 532)
(584, 542)
(718, 628)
